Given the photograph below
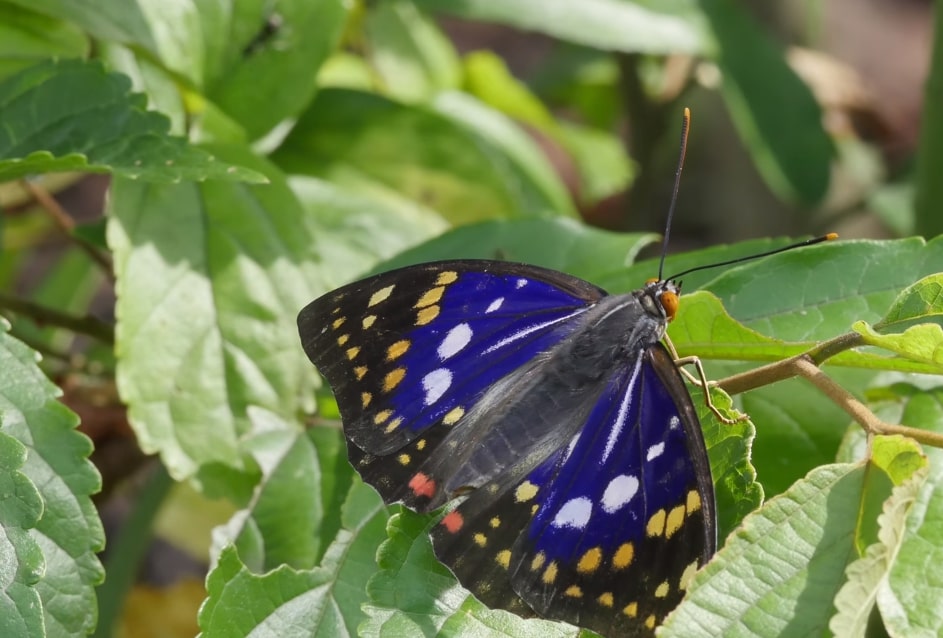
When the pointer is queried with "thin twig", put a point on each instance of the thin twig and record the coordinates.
(44, 316)
(806, 365)
(66, 224)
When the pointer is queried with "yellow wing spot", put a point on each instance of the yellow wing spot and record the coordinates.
(662, 590)
(453, 415)
(524, 492)
(381, 416)
(573, 591)
(368, 321)
(686, 576)
(404, 459)
(392, 379)
(341, 340)
(495, 522)
(480, 539)
(538, 561)
(694, 501)
(352, 352)
(431, 296)
(338, 322)
(426, 315)
(380, 295)
(630, 610)
(446, 277)
(397, 350)
(605, 599)
(336, 310)
(395, 423)
(623, 556)
(421, 445)
(534, 508)
(503, 558)
(656, 524)
(650, 621)
(550, 574)
(360, 371)
(589, 562)
(674, 521)
(365, 398)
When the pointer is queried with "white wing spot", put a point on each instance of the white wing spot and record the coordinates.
(520, 283)
(435, 384)
(673, 423)
(655, 451)
(494, 305)
(457, 338)
(619, 492)
(574, 513)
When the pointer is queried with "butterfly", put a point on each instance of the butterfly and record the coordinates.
(549, 411)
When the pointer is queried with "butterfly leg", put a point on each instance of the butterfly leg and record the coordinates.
(701, 381)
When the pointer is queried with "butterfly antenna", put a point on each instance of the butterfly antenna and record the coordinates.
(685, 126)
(807, 242)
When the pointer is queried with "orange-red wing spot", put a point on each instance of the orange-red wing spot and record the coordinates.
(453, 522)
(422, 485)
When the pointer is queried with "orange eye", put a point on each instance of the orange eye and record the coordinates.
(669, 301)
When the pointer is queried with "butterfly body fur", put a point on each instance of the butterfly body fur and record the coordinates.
(551, 408)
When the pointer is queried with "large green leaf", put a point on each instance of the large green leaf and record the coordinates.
(461, 170)
(27, 37)
(322, 601)
(210, 279)
(71, 115)
(50, 528)
(620, 25)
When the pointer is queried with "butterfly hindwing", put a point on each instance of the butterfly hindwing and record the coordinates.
(607, 530)
(409, 352)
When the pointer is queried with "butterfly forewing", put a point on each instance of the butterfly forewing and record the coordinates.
(408, 353)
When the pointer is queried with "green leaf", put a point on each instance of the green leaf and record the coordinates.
(210, 279)
(600, 156)
(560, 244)
(633, 27)
(27, 38)
(412, 56)
(778, 573)
(261, 61)
(909, 597)
(72, 115)
(295, 510)
(56, 469)
(922, 343)
(774, 111)
(23, 564)
(364, 142)
(855, 601)
(415, 595)
(920, 302)
(736, 489)
(323, 601)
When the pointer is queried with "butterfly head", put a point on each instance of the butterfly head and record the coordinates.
(661, 297)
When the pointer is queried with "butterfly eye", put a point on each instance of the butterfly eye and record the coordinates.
(669, 301)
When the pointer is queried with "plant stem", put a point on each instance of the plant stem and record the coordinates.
(66, 224)
(929, 187)
(125, 553)
(44, 316)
